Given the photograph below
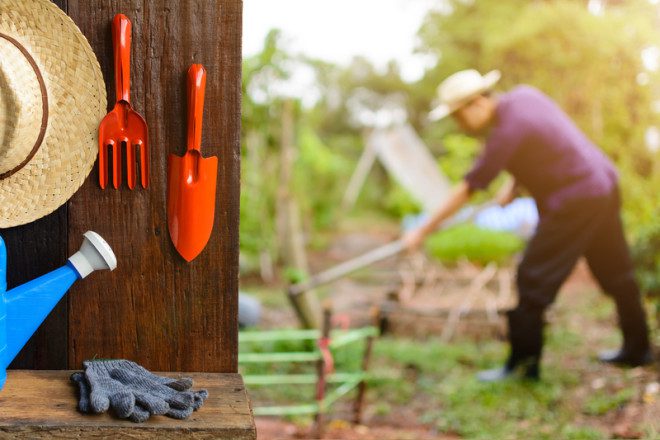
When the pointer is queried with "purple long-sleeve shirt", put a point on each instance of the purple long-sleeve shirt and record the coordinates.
(535, 141)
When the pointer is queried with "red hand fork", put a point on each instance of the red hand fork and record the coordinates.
(123, 126)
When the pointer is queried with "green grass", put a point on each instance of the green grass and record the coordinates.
(456, 402)
(435, 381)
(604, 401)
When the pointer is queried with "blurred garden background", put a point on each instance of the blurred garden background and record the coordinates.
(307, 118)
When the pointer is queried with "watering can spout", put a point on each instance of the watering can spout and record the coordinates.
(94, 254)
(23, 308)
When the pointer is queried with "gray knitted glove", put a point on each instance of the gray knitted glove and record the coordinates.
(83, 388)
(138, 415)
(134, 392)
(182, 384)
(163, 387)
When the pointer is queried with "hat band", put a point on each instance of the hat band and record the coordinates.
(44, 105)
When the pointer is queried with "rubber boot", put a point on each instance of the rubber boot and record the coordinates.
(636, 349)
(526, 338)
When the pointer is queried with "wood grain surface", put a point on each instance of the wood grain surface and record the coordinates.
(156, 308)
(42, 404)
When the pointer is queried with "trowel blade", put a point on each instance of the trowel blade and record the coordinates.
(191, 201)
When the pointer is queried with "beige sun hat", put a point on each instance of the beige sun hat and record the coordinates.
(458, 89)
(52, 97)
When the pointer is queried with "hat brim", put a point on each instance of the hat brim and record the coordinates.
(76, 102)
(443, 110)
(440, 112)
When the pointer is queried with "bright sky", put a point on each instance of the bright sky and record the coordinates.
(337, 30)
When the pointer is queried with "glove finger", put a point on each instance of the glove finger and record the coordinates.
(150, 387)
(182, 384)
(181, 400)
(155, 405)
(160, 397)
(83, 389)
(123, 403)
(139, 414)
(199, 398)
(98, 400)
(127, 378)
(138, 381)
(179, 413)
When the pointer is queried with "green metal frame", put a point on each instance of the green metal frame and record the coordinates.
(346, 381)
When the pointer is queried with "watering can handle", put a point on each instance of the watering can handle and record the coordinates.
(121, 45)
(196, 88)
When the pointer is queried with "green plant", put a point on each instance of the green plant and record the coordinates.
(294, 275)
(646, 255)
(473, 243)
(398, 202)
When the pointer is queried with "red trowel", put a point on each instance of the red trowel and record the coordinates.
(192, 179)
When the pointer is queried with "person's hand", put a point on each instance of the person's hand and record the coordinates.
(412, 240)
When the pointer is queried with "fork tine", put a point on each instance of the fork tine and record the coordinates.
(130, 164)
(116, 162)
(144, 163)
(103, 161)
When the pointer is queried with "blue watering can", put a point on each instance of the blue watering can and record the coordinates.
(24, 308)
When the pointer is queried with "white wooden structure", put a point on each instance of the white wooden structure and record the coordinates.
(407, 160)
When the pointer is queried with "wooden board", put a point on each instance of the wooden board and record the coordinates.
(42, 404)
(156, 308)
(406, 159)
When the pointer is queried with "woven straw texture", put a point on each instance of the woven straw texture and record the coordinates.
(76, 103)
(21, 108)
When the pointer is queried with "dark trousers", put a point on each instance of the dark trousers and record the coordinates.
(590, 228)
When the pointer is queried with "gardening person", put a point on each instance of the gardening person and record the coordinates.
(576, 191)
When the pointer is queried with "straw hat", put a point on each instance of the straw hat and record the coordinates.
(458, 89)
(52, 97)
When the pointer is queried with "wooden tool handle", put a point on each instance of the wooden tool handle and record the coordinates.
(196, 87)
(121, 45)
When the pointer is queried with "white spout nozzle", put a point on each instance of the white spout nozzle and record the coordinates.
(94, 254)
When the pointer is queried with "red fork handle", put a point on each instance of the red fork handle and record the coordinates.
(196, 87)
(121, 45)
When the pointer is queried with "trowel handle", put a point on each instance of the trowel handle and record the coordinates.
(121, 46)
(196, 87)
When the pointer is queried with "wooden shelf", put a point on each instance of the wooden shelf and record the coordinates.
(42, 404)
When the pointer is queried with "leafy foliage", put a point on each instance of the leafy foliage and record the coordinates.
(590, 64)
(473, 243)
(646, 254)
(260, 135)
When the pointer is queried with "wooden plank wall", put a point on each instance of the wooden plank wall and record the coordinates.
(155, 308)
